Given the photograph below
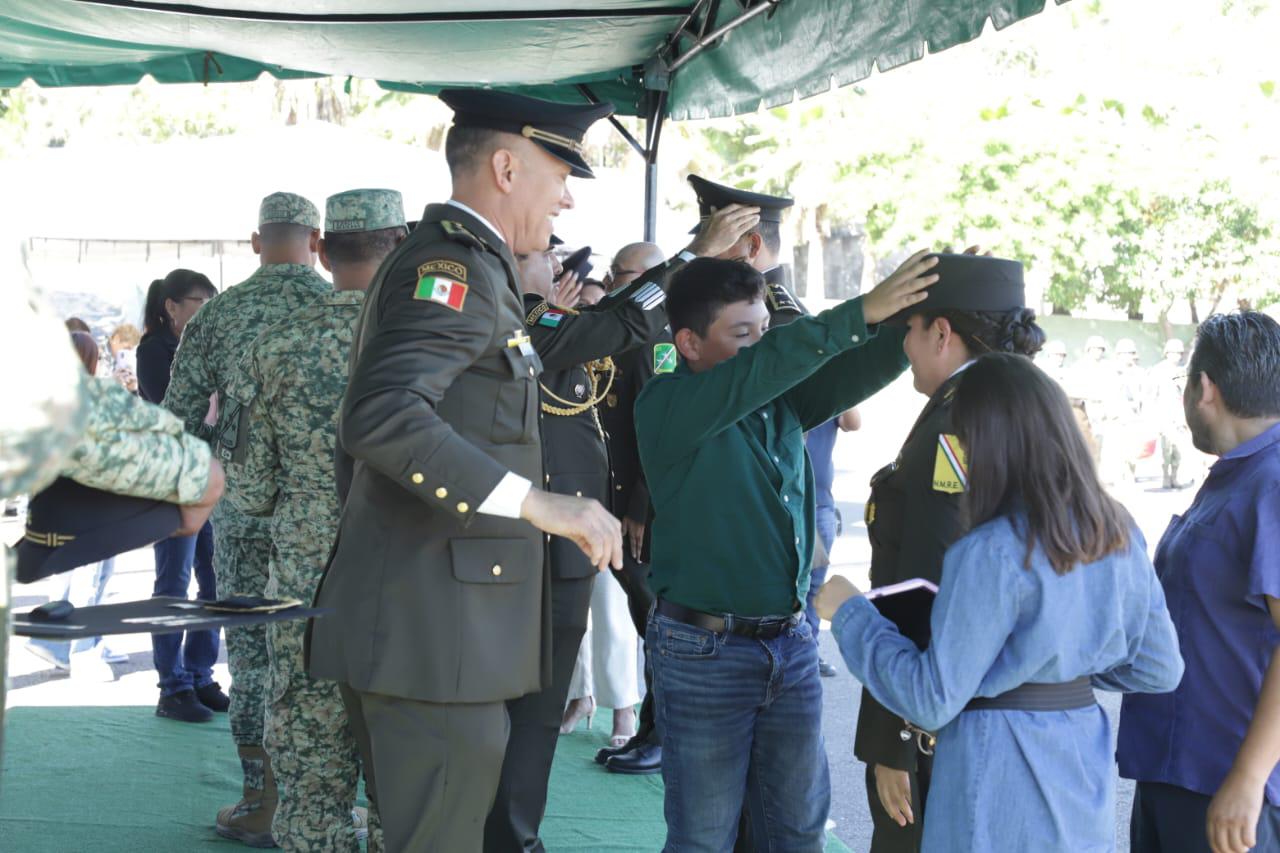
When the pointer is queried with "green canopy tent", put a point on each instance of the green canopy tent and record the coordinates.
(656, 59)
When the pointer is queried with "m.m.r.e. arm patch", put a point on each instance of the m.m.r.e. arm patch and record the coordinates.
(950, 466)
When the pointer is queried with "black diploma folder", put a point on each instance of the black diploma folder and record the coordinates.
(907, 605)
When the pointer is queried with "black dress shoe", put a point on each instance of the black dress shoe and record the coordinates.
(826, 669)
(212, 697)
(184, 707)
(644, 759)
(603, 756)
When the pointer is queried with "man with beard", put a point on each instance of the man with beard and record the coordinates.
(1205, 756)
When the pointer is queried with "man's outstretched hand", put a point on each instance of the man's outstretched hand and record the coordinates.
(906, 286)
(582, 520)
(724, 228)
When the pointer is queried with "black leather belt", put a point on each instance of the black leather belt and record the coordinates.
(1064, 696)
(755, 628)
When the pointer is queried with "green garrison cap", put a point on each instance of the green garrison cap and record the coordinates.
(363, 210)
(289, 208)
(970, 283)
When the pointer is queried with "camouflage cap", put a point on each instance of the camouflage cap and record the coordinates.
(363, 210)
(288, 208)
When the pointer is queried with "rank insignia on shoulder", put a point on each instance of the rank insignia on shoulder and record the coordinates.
(781, 300)
(450, 269)
(451, 294)
(459, 233)
(869, 516)
(664, 358)
(950, 467)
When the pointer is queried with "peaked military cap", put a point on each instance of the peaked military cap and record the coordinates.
(970, 283)
(713, 196)
(70, 525)
(363, 210)
(288, 208)
(557, 127)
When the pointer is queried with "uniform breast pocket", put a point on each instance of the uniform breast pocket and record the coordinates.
(515, 414)
(490, 561)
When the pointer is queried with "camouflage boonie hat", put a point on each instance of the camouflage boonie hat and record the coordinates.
(363, 210)
(288, 208)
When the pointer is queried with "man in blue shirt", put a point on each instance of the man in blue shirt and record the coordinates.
(1205, 756)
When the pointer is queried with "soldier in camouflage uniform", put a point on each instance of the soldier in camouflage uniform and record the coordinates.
(208, 357)
(291, 384)
(57, 421)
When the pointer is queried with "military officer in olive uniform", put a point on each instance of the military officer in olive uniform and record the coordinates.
(574, 347)
(441, 604)
(914, 512)
(759, 247)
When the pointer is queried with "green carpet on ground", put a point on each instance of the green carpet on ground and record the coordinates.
(113, 779)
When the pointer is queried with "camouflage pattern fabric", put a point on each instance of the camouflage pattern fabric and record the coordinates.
(363, 210)
(43, 413)
(289, 209)
(240, 567)
(292, 382)
(212, 346)
(131, 447)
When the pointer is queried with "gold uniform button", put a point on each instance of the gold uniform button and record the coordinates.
(531, 372)
(497, 571)
(579, 494)
(463, 507)
(442, 493)
(417, 479)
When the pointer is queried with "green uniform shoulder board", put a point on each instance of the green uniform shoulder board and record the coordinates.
(781, 300)
(460, 234)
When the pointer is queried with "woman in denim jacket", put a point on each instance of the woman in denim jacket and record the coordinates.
(1050, 595)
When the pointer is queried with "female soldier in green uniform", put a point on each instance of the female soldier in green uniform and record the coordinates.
(914, 513)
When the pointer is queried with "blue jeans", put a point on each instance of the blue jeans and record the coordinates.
(83, 587)
(182, 667)
(741, 724)
(826, 519)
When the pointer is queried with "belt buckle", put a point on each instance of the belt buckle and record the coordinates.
(926, 741)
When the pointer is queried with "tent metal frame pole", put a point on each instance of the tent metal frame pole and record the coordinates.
(654, 118)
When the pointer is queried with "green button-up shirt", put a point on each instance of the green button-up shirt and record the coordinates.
(723, 452)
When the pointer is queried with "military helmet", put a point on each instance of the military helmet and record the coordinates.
(1126, 345)
(1095, 342)
(1174, 345)
(1055, 347)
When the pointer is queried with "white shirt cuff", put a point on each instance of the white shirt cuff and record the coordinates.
(507, 497)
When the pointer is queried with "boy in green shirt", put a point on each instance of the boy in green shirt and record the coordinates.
(721, 440)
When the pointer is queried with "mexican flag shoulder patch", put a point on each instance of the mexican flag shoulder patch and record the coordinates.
(551, 318)
(446, 291)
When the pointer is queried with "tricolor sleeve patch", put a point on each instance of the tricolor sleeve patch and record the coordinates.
(551, 318)
(446, 291)
(950, 467)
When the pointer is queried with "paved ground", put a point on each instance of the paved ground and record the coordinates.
(858, 455)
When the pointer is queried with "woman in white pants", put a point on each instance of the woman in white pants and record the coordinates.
(606, 673)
